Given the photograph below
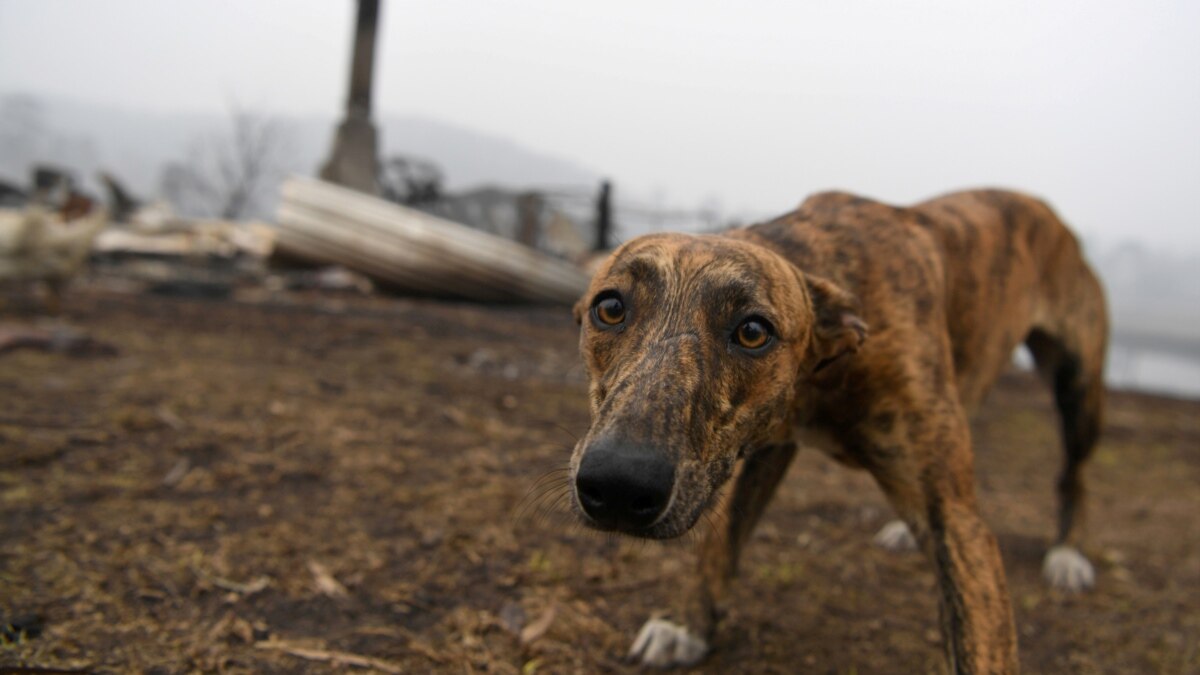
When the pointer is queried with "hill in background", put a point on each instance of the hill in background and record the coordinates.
(138, 145)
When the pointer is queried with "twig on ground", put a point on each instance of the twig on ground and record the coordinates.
(539, 627)
(237, 587)
(325, 581)
(333, 657)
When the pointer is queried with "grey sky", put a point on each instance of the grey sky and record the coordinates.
(1094, 105)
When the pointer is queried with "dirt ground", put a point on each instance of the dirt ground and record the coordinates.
(300, 483)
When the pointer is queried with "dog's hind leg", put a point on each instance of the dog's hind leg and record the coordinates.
(666, 643)
(1071, 360)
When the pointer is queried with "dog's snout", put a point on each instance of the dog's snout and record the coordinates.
(624, 486)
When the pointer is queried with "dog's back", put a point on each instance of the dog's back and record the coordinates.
(1014, 273)
(1010, 270)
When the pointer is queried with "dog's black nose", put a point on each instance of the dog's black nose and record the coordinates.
(624, 486)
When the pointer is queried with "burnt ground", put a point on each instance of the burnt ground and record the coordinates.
(306, 483)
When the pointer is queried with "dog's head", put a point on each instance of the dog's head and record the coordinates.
(695, 347)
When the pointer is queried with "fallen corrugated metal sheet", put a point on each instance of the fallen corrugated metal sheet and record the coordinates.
(414, 251)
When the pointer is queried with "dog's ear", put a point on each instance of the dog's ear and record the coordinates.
(838, 330)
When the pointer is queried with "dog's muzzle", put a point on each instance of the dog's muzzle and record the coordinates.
(624, 486)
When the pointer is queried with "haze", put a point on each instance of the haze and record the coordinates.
(1093, 105)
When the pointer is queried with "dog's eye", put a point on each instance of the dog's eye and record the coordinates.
(753, 333)
(609, 310)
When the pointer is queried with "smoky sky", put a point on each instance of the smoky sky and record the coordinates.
(745, 105)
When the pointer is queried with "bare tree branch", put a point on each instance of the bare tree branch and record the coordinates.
(224, 174)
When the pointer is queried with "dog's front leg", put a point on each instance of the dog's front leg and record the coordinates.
(976, 614)
(665, 643)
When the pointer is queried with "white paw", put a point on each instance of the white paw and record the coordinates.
(1066, 569)
(665, 644)
(895, 536)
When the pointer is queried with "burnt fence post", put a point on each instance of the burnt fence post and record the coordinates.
(603, 216)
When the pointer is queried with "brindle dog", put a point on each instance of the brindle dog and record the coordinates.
(713, 355)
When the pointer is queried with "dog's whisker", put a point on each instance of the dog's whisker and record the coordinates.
(555, 502)
(535, 502)
(574, 436)
(546, 493)
(542, 486)
(547, 482)
(549, 476)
